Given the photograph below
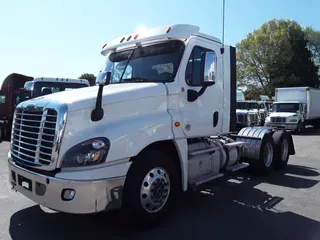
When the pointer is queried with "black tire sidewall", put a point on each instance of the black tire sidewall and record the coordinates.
(131, 203)
(278, 137)
(1, 134)
(258, 165)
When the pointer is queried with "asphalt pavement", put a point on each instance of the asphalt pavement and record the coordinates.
(283, 205)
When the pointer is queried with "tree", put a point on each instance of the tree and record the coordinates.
(275, 55)
(313, 37)
(90, 77)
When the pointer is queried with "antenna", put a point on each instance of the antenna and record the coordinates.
(223, 11)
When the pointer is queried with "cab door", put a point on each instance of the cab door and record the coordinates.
(201, 95)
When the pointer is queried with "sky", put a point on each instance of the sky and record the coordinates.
(63, 38)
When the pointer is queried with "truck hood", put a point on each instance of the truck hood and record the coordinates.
(282, 114)
(83, 98)
(241, 111)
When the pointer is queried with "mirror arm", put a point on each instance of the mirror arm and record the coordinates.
(97, 113)
(202, 90)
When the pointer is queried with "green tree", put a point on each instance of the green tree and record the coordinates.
(313, 37)
(90, 77)
(275, 55)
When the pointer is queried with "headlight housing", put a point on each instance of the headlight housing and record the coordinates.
(90, 152)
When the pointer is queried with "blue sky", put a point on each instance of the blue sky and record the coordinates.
(63, 38)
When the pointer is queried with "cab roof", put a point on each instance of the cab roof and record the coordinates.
(177, 31)
(286, 102)
(66, 80)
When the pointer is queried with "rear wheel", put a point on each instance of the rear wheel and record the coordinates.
(151, 184)
(281, 142)
(264, 164)
(1, 134)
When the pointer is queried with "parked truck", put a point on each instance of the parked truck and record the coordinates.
(261, 112)
(245, 115)
(294, 108)
(160, 121)
(17, 88)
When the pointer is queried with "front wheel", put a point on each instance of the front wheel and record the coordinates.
(300, 127)
(1, 134)
(150, 187)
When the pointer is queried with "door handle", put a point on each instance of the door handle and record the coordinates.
(215, 118)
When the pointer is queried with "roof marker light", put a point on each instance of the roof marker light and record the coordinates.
(129, 38)
(122, 39)
(104, 46)
(136, 36)
(168, 29)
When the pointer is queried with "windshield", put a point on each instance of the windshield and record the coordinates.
(253, 105)
(153, 63)
(44, 88)
(285, 107)
(242, 105)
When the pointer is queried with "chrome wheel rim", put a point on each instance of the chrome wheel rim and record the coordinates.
(268, 155)
(284, 150)
(155, 190)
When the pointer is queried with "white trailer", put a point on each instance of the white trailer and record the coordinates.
(295, 107)
(159, 122)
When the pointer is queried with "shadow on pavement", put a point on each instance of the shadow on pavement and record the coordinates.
(308, 131)
(229, 208)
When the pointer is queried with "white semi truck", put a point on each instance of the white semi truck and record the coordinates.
(294, 108)
(158, 123)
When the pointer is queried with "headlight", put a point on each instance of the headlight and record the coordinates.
(91, 152)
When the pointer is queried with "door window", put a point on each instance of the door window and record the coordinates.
(194, 71)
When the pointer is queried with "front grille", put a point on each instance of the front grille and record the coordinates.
(278, 119)
(33, 136)
(262, 116)
(253, 117)
(242, 118)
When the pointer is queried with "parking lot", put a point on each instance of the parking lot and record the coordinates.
(284, 205)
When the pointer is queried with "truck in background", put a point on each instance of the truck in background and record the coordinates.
(161, 121)
(262, 112)
(17, 88)
(266, 103)
(245, 116)
(294, 108)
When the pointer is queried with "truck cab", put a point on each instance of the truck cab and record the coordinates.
(161, 120)
(43, 86)
(17, 88)
(287, 115)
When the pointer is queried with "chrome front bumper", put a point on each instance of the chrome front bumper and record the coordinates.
(286, 126)
(90, 196)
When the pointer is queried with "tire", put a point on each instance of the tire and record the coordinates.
(300, 127)
(138, 201)
(264, 165)
(281, 143)
(1, 134)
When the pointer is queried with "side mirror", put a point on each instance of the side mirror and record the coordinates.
(103, 78)
(28, 86)
(208, 69)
